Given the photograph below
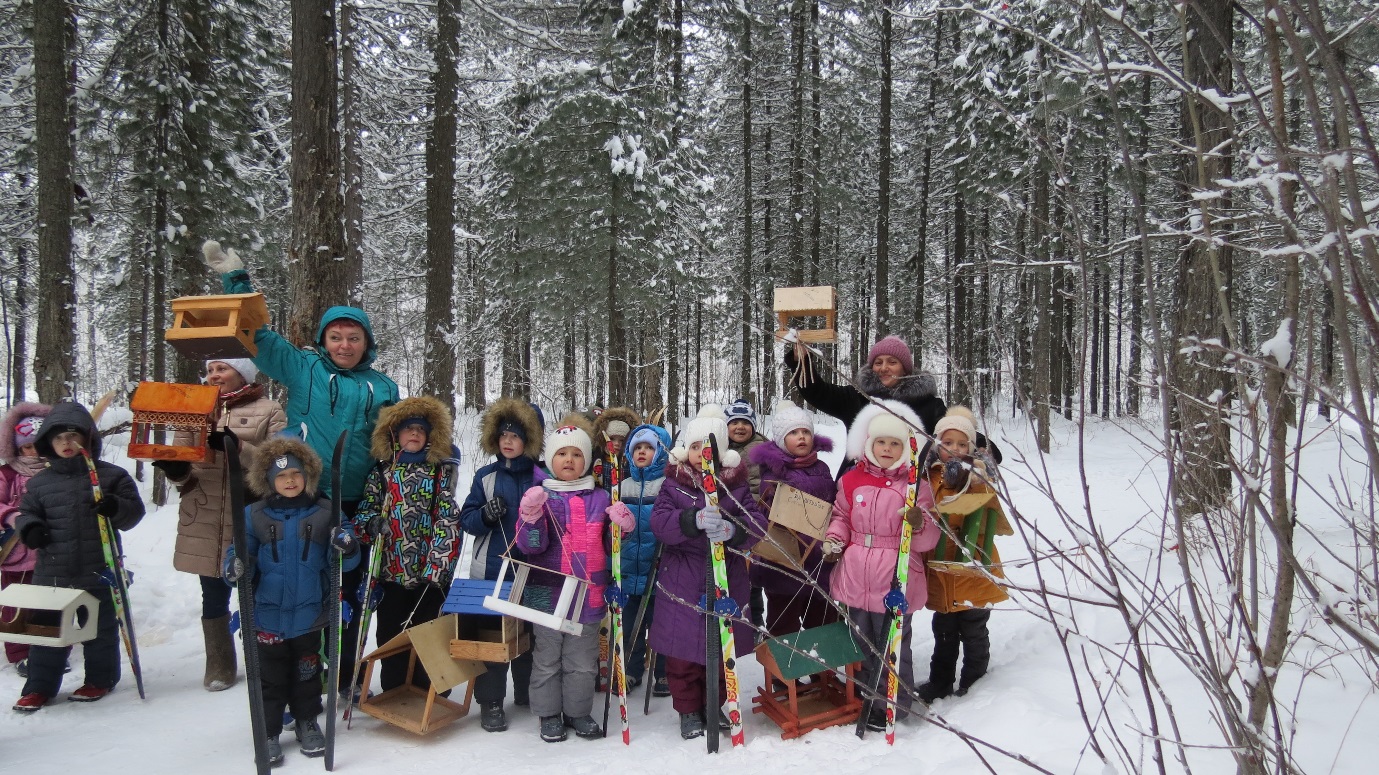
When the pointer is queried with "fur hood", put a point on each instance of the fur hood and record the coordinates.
(437, 441)
(857, 434)
(777, 461)
(912, 387)
(263, 455)
(16, 413)
(514, 410)
(609, 415)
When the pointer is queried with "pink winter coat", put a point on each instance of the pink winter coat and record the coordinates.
(867, 519)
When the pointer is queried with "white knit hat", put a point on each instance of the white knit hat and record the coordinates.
(958, 418)
(709, 421)
(568, 436)
(788, 417)
(244, 366)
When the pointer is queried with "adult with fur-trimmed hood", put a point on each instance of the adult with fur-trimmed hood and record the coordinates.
(612, 424)
(18, 432)
(684, 522)
(332, 386)
(205, 527)
(889, 373)
(512, 432)
(410, 517)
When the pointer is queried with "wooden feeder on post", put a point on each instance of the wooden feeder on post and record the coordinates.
(172, 407)
(478, 633)
(506, 599)
(211, 327)
(411, 707)
(798, 523)
(808, 302)
(963, 564)
(76, 614)
(827, 701)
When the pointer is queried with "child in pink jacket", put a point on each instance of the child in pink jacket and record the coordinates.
(20, 461)
(864, 539)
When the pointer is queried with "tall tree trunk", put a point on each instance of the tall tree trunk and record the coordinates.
(196, 207)
(1043, 344)
(53, 349)
(796, 217)
(961, 339)
(921, 257)
(1134, 371)
(745, 378)
(440, 334)
(19, 346)
(883, 181)
(617, 336)
(816, 145)
(352, 150)
(321, 277)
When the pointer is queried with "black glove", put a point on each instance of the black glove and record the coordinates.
(36, 536)
(216, 440)
(377, 526)
(107, 506)
(173, 469)
(494, 511)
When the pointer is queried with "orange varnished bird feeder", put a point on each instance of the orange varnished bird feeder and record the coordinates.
(171, 407)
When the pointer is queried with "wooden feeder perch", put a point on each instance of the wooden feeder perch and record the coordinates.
(210, 327)
(798, 522)
(185, 409)
(75, 609)
(828, 700)
(478, 633)
(808, 302)
(417, 710)
(506, 599)
(975, 519)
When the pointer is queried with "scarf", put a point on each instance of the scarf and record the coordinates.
(803, 461)
(244, 395)
(558, 485)
(28, 466)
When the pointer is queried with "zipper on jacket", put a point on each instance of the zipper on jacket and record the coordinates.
(306, 545)
(273, 541)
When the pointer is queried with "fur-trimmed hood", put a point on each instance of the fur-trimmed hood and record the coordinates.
(515, 410)
(623, 413)
(434, 412)
(912, 387)
(857, 434)
(777, 461)
(16, 413)
(263, 456)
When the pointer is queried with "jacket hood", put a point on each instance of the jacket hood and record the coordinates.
(777, 460)
(16, 413)
(514, 410)
(857, 433)
(691, 478)
(657, 469)
(433, 411)
(912, 387)
(355, 315)
(609, 415)
(64, 415)
(263, 455)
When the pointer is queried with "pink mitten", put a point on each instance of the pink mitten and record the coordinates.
(621, 516)
(530, 508)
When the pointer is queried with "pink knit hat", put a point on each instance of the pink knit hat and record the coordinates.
(893, 346)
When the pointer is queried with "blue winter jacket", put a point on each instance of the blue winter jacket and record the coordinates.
(639, 491)
(291, 569)
(325, 397)
(507, 479)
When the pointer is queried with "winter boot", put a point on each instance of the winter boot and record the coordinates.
(723, 722)
(275, 752)
(929, 691)
(87, 693)
(492, 718)
(220, 654)
(876, 718)
(22, 667)
(584, 726)
(661, 688)
(691, 725)
(553, 728)
(309, 735)
(31, 702)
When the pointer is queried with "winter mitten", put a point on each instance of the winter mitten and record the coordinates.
(377, 526)
(375, 595)
(955, 473)
(107, 507)
(621, 516)
(174, 469)
(435, 576)
(221, 261)
(791, 337)
(915, 516)
(494, 511)
(833, 550)
(216, 440)
(532, 503)
(707, 518)
(721, 532)
(234, 568)
(345, 542)
(36, 536)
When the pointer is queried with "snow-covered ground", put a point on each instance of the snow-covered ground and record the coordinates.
(1026, 704)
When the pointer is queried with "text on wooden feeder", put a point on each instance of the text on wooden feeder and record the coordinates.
(210, 327)
(798, 523)
(172, 407)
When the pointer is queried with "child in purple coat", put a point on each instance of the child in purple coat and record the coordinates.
(685, 524)
(563, 527)
(796, 598)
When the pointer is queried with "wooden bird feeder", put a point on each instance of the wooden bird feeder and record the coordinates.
(827, 700)
(188, 409)
(210, 327)
(417, 710)
(506, 599)
(808, 302)
(798, 522)
(974, 519)
(75, 609)
(478, 633)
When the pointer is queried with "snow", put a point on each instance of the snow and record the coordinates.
(1026, 704)
(1280, 345)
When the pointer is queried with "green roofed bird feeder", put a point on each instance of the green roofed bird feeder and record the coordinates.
(829, 658)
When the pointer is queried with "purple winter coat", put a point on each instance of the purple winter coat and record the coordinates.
(572, 546)
(678, 629)
(777, 467)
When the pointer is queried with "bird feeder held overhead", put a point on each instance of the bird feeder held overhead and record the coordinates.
(171, 407)
(216, 327)
(818, 301)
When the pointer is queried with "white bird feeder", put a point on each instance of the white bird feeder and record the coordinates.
(569, 603)
(77, 612)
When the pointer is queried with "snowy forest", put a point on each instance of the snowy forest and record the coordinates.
(1145, 216)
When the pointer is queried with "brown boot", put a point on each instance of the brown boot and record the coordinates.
(220, 654)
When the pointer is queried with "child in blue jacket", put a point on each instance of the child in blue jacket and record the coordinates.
(287, 539)
(644, 469)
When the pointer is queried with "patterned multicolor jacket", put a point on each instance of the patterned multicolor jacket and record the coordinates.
(422, 537)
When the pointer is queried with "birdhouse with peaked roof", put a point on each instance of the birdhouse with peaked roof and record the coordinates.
(189, 410)
(211, 327)
(47, 616)
(479, 634)
(811, 679)
(818, 301)
(417, 710)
